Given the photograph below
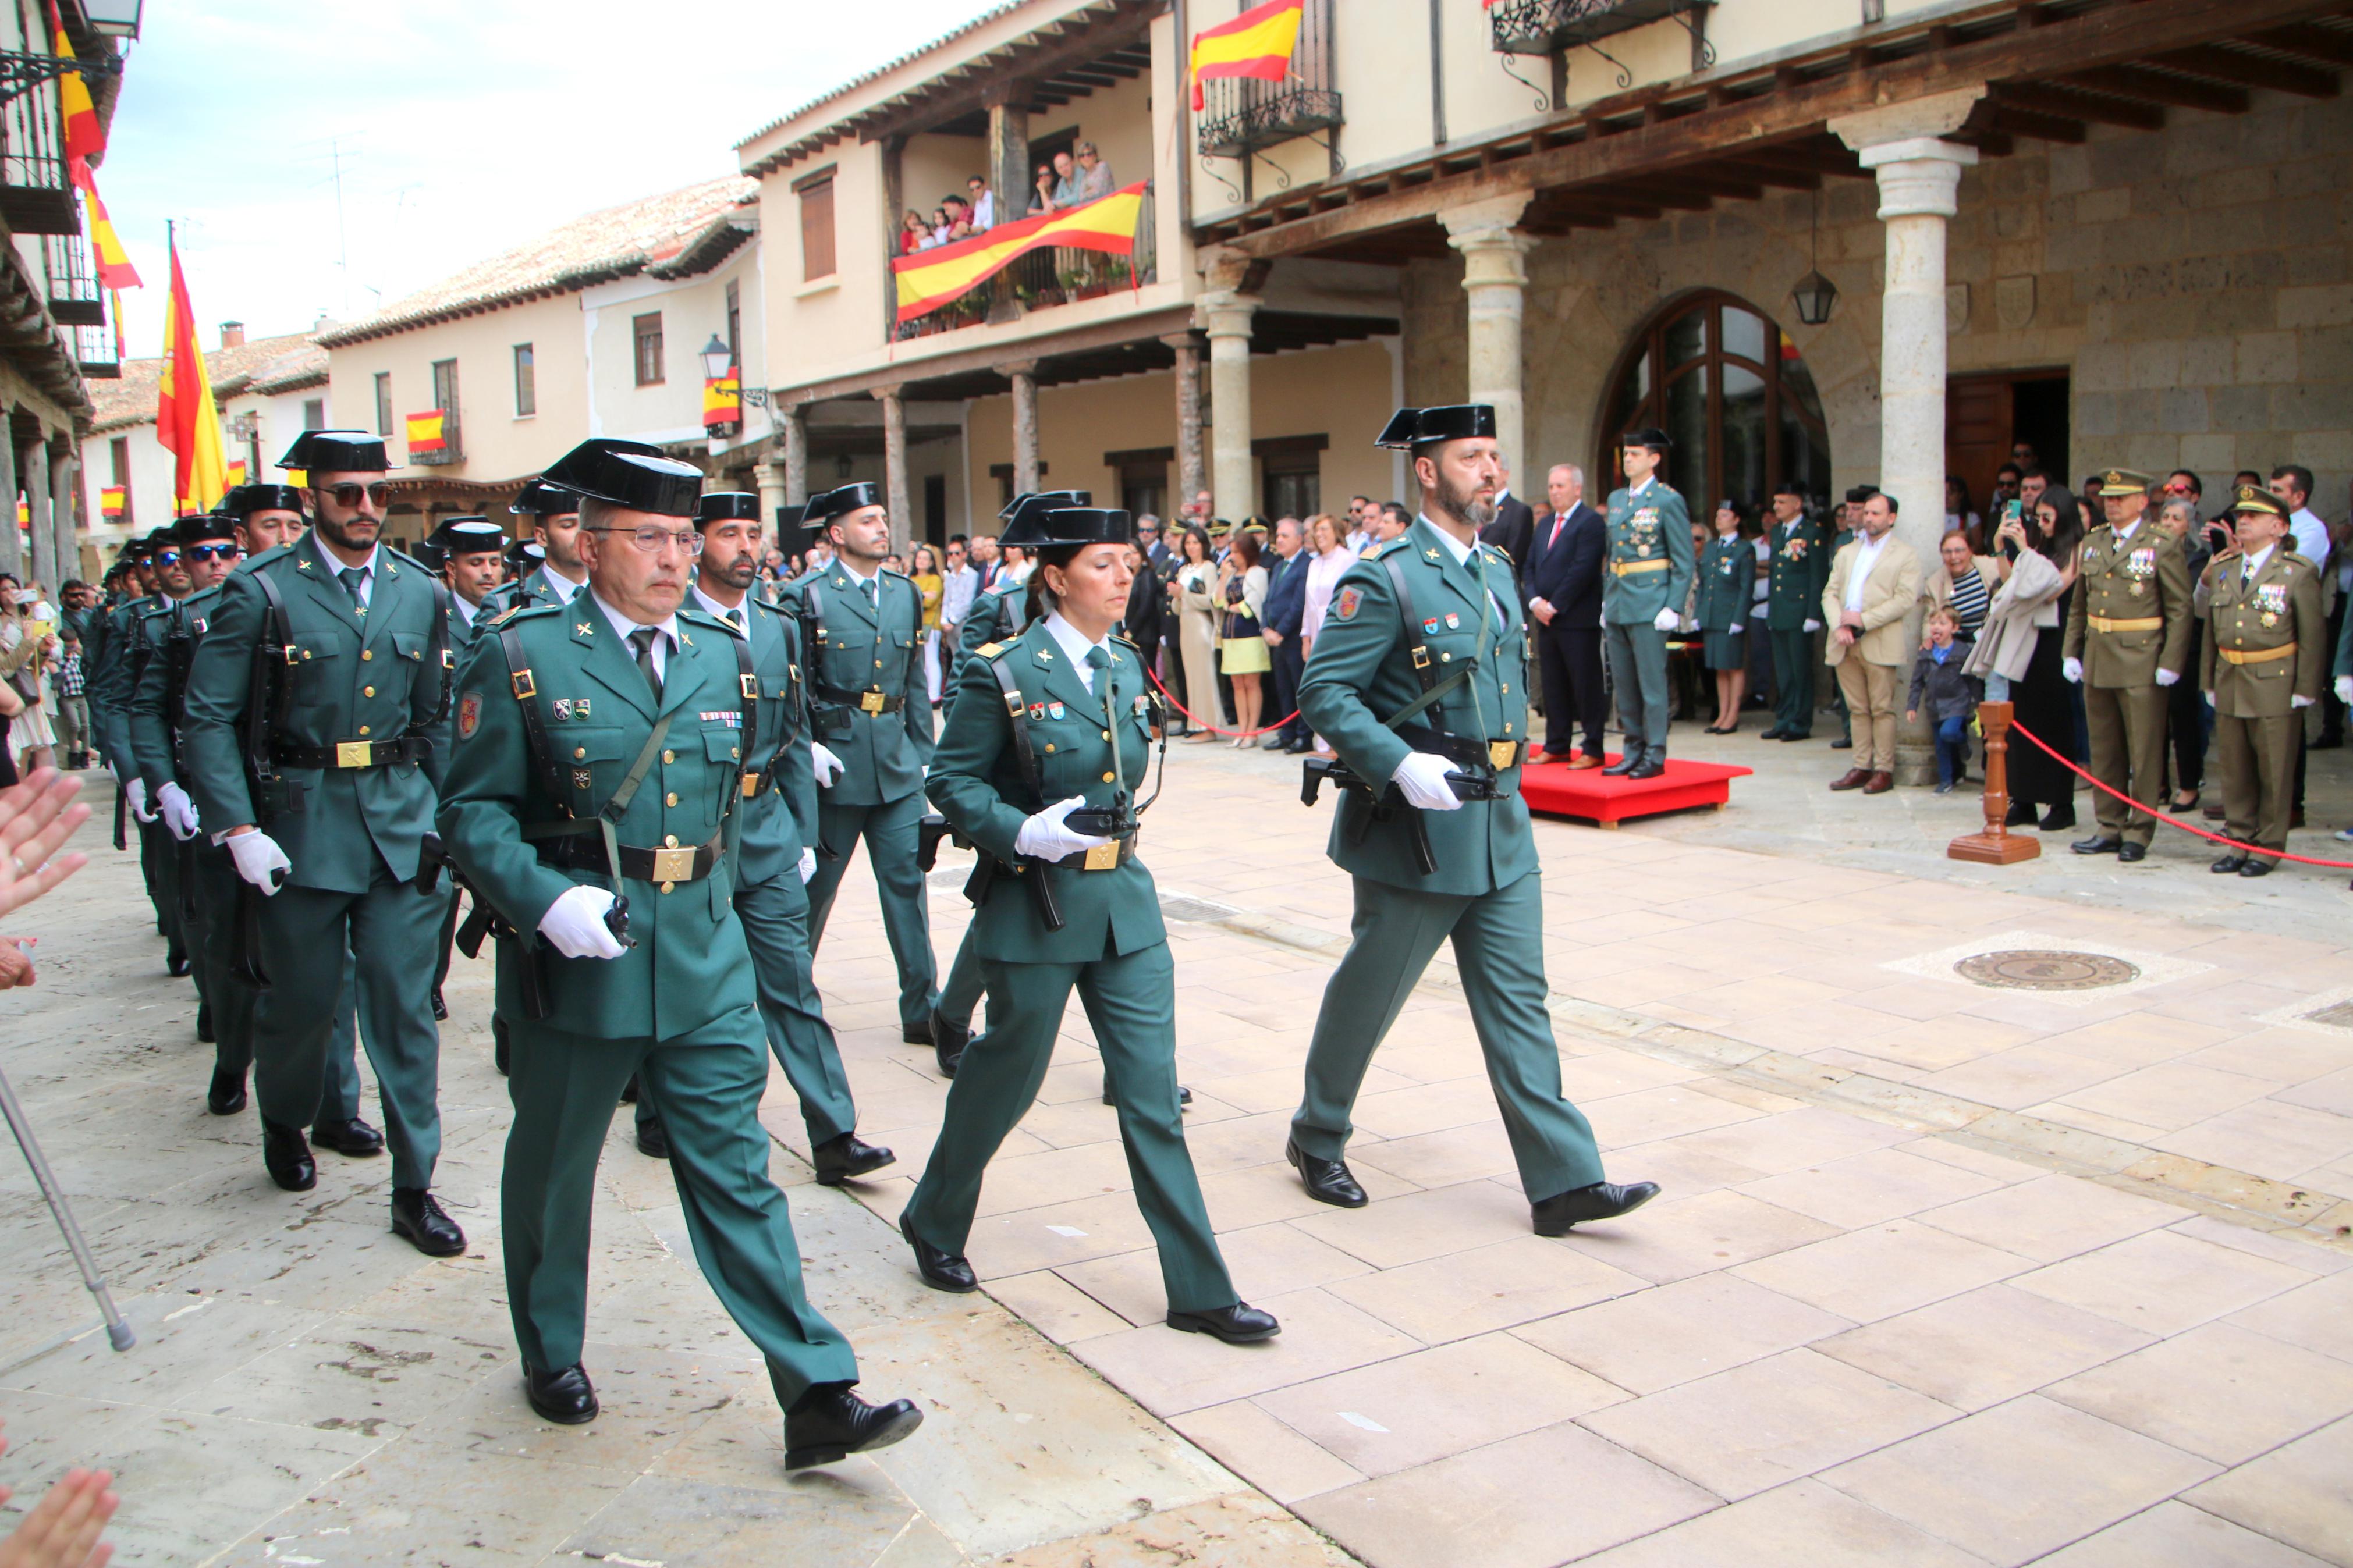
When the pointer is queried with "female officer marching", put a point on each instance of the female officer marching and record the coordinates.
(1027, 769)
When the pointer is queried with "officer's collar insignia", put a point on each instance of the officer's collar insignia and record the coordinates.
(684, 639)
(302, 563)
(1430, 554)
(1046, 655)
(581, 628)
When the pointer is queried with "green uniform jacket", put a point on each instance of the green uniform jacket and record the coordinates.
(356, 677)
(1801, 570)
(2279, 614)
(530, 589)
(862, 648)
(1362, 671)
(998, 614)
(153, 726)
(977, 783)
(1727, 583)
(2143, 579)
(1649, 565)
(690, 965)
(113, 673)
(782, 818)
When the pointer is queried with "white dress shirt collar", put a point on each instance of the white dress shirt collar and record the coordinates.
(713, 607)
(1074, 643)
(623, 627)
(1866, 556)
(1455, 547)
(2256, 562)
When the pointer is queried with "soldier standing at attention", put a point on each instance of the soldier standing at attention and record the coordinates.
(2128, 638)
(601, 751)
(1419, 679)
(871, 714)
(1793, 605)
(321, 776)
(471, 555)
(1645, 576)
(2266, 652)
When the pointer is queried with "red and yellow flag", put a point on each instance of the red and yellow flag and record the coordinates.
(186, 421)
(931, 278)
(424, 434)
(1258, 43)
(109, 500)
(84, 138)
(722, 400)
(236, 472)
(114, 268)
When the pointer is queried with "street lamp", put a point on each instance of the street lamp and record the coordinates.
(119, 18)
(1815, 296)
(718, 359)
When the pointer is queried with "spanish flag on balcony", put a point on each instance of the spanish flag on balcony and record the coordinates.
(931, 278)
(1258, 43)
(236, 472)
(84, 138)
(114, 268)
(722, 400)
(425, 432)
(109, 500)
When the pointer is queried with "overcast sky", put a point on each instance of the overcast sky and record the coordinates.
(465, 126)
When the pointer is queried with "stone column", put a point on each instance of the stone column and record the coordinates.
(894, 465)
(1008, 177)
(65, 473)
(1225, 313)
(37, 505)
(1024, 378)
(12, 543)
(1495, 276)
(1192, 467)
(770, 476)
(792, 428)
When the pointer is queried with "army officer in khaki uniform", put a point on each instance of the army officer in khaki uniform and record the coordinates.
(2266, 650)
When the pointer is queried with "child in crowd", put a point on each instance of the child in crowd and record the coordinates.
(1949, 697)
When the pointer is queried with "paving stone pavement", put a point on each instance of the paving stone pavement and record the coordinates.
(1942, 1274)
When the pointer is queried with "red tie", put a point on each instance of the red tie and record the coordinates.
(1554, 537)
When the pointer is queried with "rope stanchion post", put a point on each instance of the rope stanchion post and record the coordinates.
(1996, 844)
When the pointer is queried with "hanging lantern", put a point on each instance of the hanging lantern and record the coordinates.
(1816, 297)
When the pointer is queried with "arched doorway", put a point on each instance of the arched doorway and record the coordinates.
(1727, 384)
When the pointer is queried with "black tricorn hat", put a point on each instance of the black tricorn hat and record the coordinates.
(336, 451)
(1076, 525)
(1025, 515)
(526, 553)
(824, 508)
(468, 536)
(158, 536)
(199, 526)
(132, 550)
(429, 549)
(1859, 494)
(1409, 427)
(540, 498)
(246, 500)
(1649, 435)
(629, 474)
(727, 505)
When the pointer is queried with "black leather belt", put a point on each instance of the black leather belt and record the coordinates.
(353, 754)
(1461, 749)
(865, 701)
(685, 863)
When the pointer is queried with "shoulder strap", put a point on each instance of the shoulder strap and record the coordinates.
(747, 685)
(441, 657)
(1432, 688)
(534, 725)
(278, 633)
(1024, 752)
(814, 600)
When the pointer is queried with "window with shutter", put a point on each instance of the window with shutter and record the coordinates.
(816, 231)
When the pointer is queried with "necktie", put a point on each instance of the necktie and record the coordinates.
(736, 615)
(354, 578)
(1098, 659)
(642, 639)
(1559, 519)
(873, 586)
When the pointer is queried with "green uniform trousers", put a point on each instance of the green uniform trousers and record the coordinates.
(1498, 948)
(1793, 681)
(1131, 1001)
(774, 917)
(1637, 671)
(306, 936)
(890, 831)
(214, 928)
(2256, 759)
(708, 1084)
(2127, 728)
(159, 867)
(960, 992)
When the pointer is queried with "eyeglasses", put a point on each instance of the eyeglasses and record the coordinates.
(212, 552)
(165, 558)
(348, 495)
(651, 540)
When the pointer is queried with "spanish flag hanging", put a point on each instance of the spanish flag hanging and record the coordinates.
(187, 421)
(114, 268)
(424, 434)
(722, 400)
(109, 500)
(84, 138)
(236, 472)
(1258, 43)
(931, 278)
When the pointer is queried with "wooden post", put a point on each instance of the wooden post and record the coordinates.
(1996, 845)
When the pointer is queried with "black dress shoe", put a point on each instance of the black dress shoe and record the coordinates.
(2127, 853)
(2058, 819)
(566, 1397)
(653, 1138)
(175, 962)
(839, 1159)
(1563, 1212)
(1843, 744)
(2021, 814)
(2099, 844)
(355, 1138)
(941, 1270)
(1654, 764)
(440, 1008)
(1773, 733)
(226, 1095)
(948, 1041)
(1627, 761)
(1239, 1324)
(1327, 1181)
(288, 1156)
(1802, 735)
(204, 1024)
(831, 1423)
(2228, 866)
(499, 1044)
(916, 1033)
(418, 1215)
(2256, 866)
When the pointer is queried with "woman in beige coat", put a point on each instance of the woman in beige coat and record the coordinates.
(1195, 589)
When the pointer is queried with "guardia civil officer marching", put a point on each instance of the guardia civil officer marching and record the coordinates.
(470, 554)
(1419, 681)
(602, 754)
(1045, 746)
(116, 664)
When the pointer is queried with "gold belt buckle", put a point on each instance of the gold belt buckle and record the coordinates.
(673, 866)
(355, 753)
(870, 701)
(1501, 754)
(1103, 857)
(751, 785)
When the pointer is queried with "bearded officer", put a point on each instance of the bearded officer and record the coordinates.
(1647, 572)
(774, 859)
(871, 713)
(601, 749)
(469, 554)
(327, 816)
(2128, 626)
(2266, 652)
(1419, 679)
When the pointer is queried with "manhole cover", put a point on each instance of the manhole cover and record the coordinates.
(2046, 969)
(2339, 1017)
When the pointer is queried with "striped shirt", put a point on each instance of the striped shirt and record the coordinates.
(1969, 601)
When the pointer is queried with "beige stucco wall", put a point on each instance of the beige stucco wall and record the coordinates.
(693, 310)
(498, 445)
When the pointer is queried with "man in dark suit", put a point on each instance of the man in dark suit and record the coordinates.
(1562, 582)
(1142, 619)
(1285, 613)
(1513, 528)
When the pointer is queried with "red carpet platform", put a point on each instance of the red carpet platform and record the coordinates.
(1554, 789)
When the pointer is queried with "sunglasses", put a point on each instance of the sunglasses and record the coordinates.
(212, 552)
(348, 495)
(165, 558)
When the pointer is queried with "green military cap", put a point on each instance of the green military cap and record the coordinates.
(2254, 498)
(1254, 524)
(2124, 482)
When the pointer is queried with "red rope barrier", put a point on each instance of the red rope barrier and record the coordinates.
(2167, 818)
(1192, 717)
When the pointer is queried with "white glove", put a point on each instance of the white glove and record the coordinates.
(2168, 677)
(1813, 626)
(1735, 628)
(2073, 668)
(1667, 620)
(574, 924)
(257, 855)
(808, 864)
(829, 766)
(2300, 701)
(1045, 836)
(2209, 699)
(1423, 777)
(135, 791)
(2344, 690)
(179, 812)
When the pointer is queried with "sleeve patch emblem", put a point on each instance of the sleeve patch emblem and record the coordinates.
(1344, 604)
(470, 715)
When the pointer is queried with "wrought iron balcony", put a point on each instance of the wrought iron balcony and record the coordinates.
(74, 299)
(1241, 114)
(1550, 27)
(35, 196)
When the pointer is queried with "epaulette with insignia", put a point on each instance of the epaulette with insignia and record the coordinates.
(703, 617)
(413, 561)
(989, 649)
(526, 612)
(1374, 554)
(1123, 639)
(2292, 559)
(895, 572)
(265, 558)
